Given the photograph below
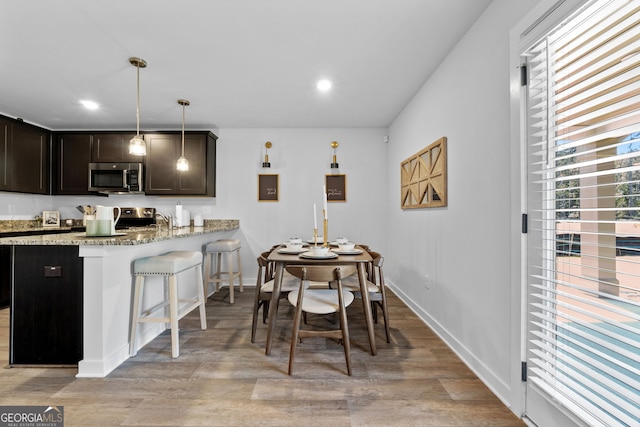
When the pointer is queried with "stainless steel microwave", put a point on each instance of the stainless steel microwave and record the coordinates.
(116, 178)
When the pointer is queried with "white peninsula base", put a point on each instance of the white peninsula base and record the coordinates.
(108, 294)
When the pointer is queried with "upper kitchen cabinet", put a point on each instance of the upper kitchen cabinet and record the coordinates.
(113, 147)
(163, 151)
(29, 159)
(73, 155)
(6, 135)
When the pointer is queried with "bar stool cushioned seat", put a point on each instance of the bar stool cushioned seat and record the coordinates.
(167, 265)
(220, 247)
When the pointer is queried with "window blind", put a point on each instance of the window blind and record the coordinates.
(583, 201)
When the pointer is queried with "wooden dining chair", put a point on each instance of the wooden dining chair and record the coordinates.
(376, 287)
(264, 290)
(321, 301)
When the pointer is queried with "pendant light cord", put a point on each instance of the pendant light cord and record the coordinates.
(183, 105)
(138, 101)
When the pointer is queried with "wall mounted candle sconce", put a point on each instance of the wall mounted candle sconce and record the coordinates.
(266, 163)
(334, 163)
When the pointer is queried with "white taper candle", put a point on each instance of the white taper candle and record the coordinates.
(315, 217)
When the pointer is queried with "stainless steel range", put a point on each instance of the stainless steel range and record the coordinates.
(136, 217)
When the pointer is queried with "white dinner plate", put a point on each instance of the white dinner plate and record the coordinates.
(354, 251)
(309, 255)
(291, 251)
(312, 241)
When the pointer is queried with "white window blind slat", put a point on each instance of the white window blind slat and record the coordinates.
(614, 388)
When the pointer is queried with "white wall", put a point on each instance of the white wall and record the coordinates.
(453, 264)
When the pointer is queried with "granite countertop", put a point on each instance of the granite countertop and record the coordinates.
(131, 236)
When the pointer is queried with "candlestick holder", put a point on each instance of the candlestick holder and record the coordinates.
(315, 236)
(326, 232)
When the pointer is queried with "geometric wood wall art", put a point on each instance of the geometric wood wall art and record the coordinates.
(423, 177)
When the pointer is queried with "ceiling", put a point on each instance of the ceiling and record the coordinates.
(241, 63)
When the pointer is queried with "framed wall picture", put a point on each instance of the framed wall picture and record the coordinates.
(423, 177)
(336, 188)
(50, 219)
(268, 188)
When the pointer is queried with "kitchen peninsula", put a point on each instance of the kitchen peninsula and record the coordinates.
(107, 283)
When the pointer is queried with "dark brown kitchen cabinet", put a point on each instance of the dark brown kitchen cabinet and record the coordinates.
(113, 147)
(6, 135)
(163, 151)
(73, 155)
(46, 305)
(29, 159)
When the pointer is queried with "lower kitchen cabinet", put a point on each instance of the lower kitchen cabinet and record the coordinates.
(5, 275)
(46, 305)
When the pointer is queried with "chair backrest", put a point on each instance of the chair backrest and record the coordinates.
(321, 273)
(267, 265)
(375, 272)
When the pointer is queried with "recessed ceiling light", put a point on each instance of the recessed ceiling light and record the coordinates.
(89, 105)
(324, 85)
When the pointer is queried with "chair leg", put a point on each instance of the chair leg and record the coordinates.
(202, 298)
(345, 333)
(137, 307)
(230, 273)
(296, 325)
(374, 311)
(239, 271)
(256, 309)
(218, 270)
(385, 315)
(265, 311)
(294, 335)
(167, 307)
(208, 259)
(173, 308)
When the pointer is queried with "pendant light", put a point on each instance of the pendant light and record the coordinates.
(137, 145)
(183, 163)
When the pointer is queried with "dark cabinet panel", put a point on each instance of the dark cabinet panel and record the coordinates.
(29, 160)
(5, 275)
(46, 305)
(24, 157)
(73, 155)
(163, 151)
(6, 136)
(162, 154)
(113, 147)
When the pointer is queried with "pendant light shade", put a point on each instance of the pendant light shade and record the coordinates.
(137, 145)
(183, 163)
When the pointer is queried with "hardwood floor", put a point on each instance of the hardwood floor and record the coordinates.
(222, 379)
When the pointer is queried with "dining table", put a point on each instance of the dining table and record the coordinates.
(281, 258)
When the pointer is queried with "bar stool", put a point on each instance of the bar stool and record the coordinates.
(167, 265)
(220, 247)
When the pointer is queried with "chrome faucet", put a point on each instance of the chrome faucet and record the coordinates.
(167, 218)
